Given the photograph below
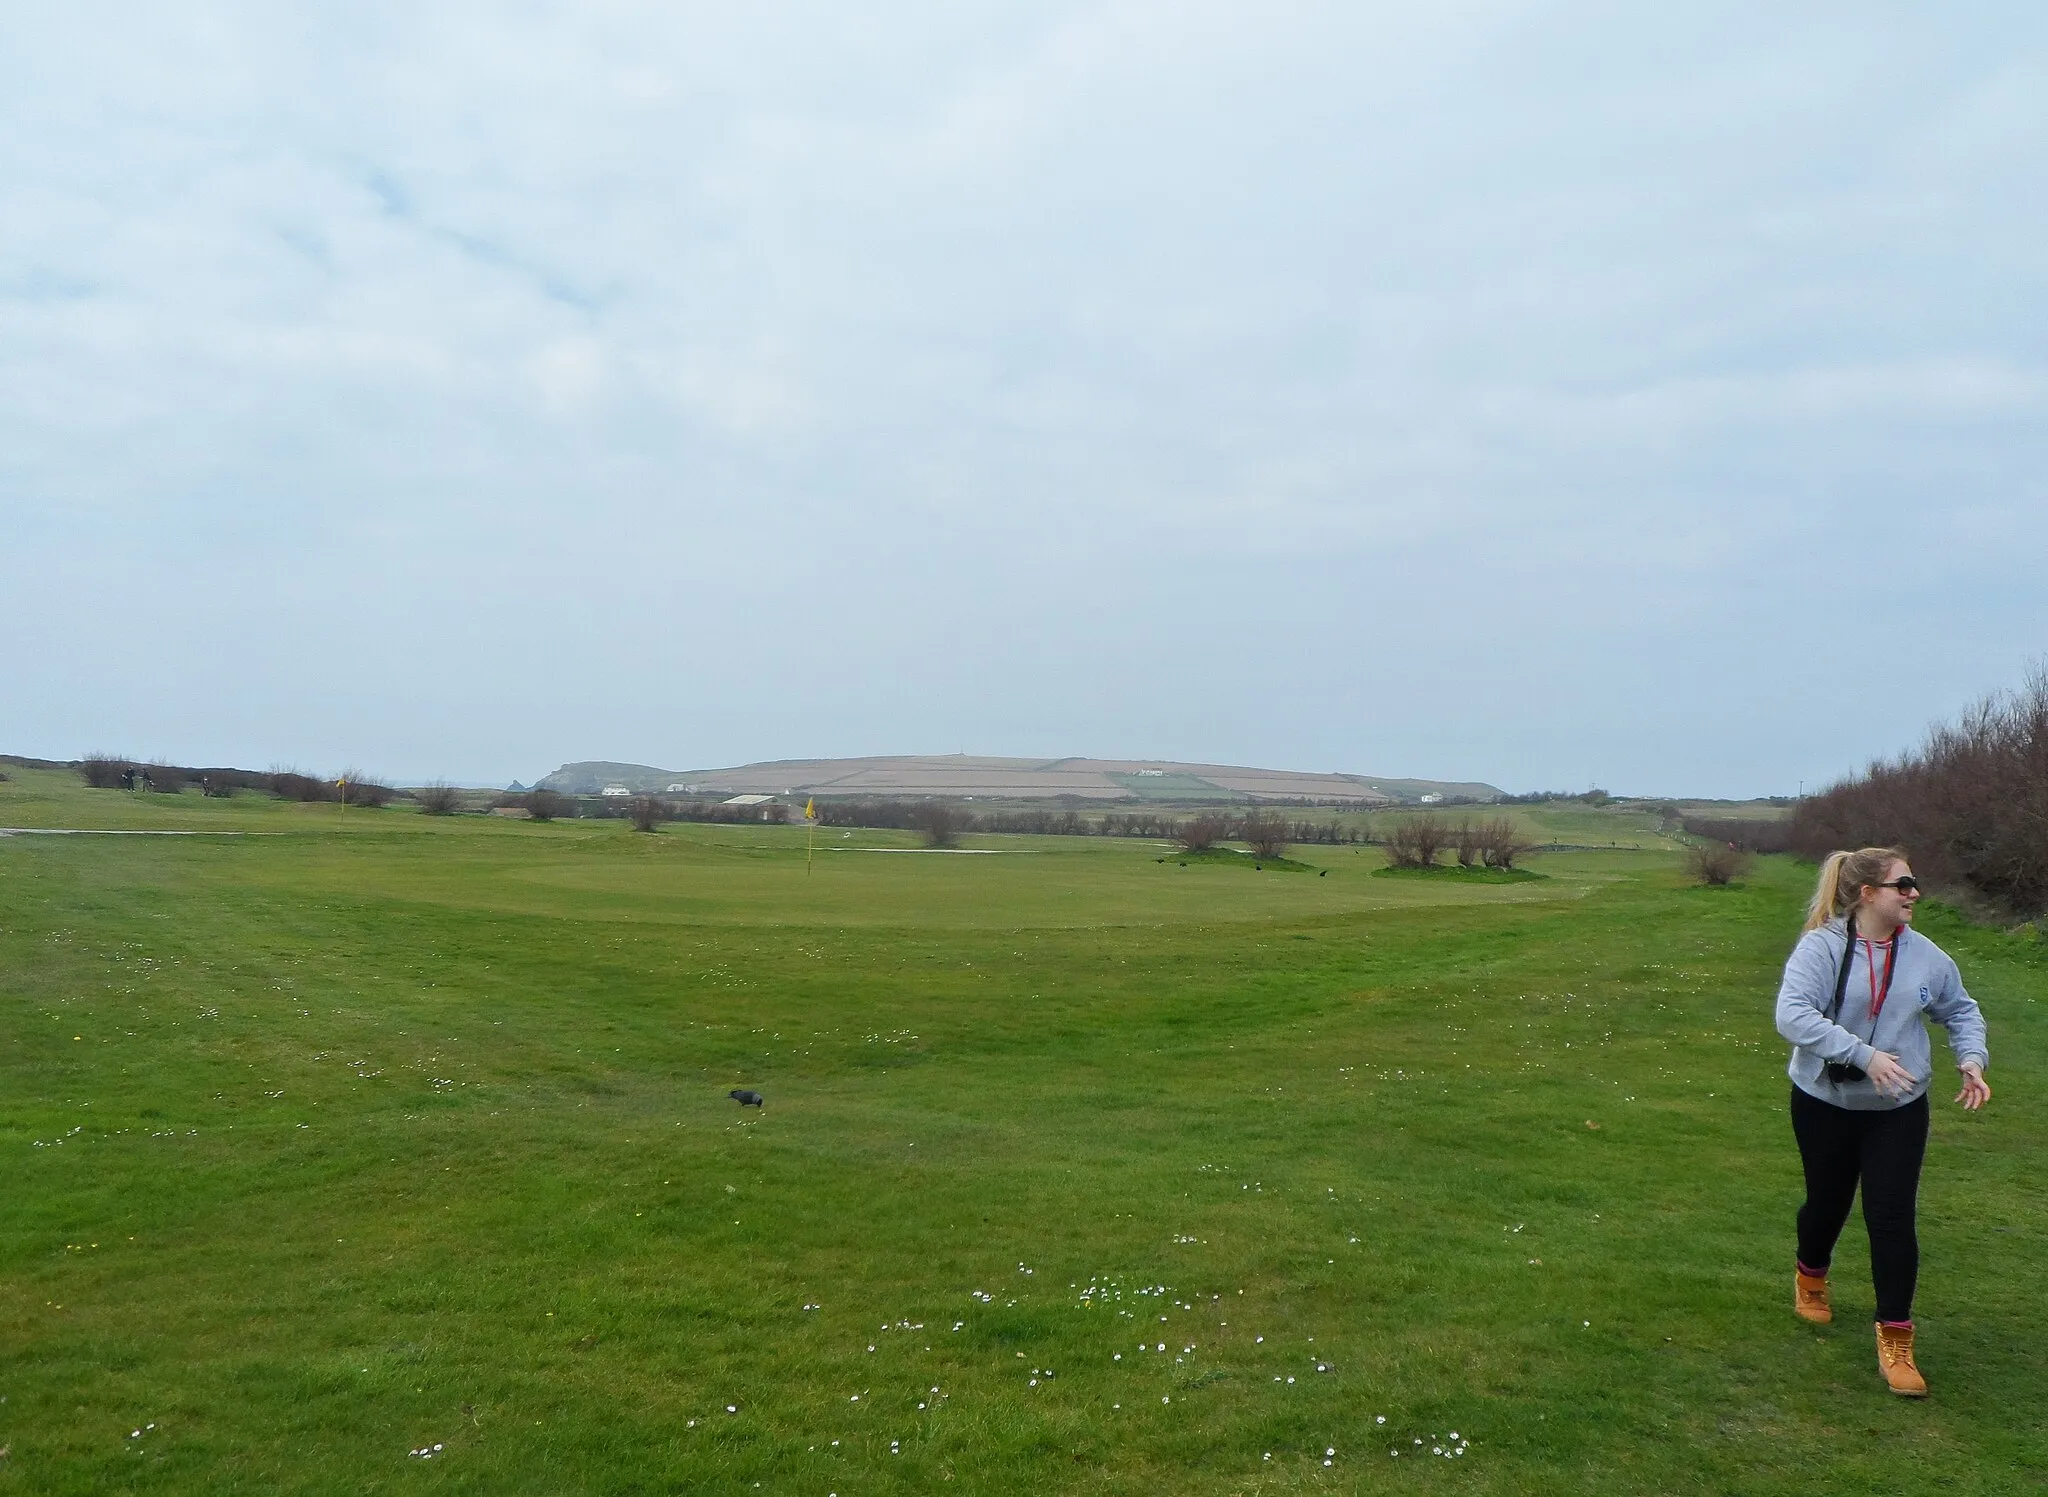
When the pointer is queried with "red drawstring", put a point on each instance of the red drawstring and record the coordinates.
(1878, 995)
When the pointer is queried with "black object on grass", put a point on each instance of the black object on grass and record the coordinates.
(746, 1098)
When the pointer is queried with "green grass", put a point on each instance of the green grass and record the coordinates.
(311, 1142)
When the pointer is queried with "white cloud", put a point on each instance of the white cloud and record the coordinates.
(1543, 331)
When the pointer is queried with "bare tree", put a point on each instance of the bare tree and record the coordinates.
(1265, 834)
(1467, 840)
(1429, 838)
(1414, 841)
(1399, 841)
(439, 799)
(1501, 843)
(1200, 833)
(648, 812)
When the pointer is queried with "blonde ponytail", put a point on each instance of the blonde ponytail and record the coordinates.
(1821, 908)
(1842, 877)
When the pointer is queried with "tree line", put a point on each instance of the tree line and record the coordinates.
(113, 772)
(1411, 839)
(1969, 806)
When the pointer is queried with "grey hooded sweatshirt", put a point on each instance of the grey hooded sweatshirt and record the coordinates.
(1924, 981)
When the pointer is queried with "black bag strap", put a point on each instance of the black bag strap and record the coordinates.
(1849, 953)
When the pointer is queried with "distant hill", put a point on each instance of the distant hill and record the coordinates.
(965, 775)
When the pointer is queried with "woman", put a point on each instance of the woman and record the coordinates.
(1851, 1004)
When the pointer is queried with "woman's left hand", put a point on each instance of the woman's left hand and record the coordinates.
(1976, 1090)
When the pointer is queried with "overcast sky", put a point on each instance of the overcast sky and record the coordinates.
(1546, 394)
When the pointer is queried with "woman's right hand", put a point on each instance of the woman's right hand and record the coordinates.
(1887, 1075)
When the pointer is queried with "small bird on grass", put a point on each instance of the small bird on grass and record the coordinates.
(746, 1098)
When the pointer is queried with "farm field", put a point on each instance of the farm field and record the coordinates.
(379, 1153)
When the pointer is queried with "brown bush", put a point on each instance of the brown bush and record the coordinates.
(438, 799)
(289, 784)
(1716, 863)
(107, 772)
(939, 822)
(1200, 833)
(1264, 833)
(647, 812)
(545, 805)
(357, 789)
(1751, 834)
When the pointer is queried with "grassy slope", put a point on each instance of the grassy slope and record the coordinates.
(360, 1129)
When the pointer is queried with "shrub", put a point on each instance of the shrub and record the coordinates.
(647, 812)
(106, 772)
(358, 790)
(165, 779)
(1264, 833)
(1751, 834)
(1716, 863)
(940, 824)
(545, 805)
(289, 784)
(1200, 833)
(439, 799)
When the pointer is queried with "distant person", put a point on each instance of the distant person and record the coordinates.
(1855, 989)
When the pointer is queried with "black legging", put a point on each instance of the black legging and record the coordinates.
(1883, 1149)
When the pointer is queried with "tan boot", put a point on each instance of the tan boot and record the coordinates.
(1895, 1361)
(1810, 1298)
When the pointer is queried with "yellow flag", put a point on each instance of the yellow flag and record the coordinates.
(811, 810)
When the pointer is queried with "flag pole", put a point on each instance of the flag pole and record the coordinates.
(811, 833)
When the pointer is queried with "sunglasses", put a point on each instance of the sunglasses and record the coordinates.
(1907, 885)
